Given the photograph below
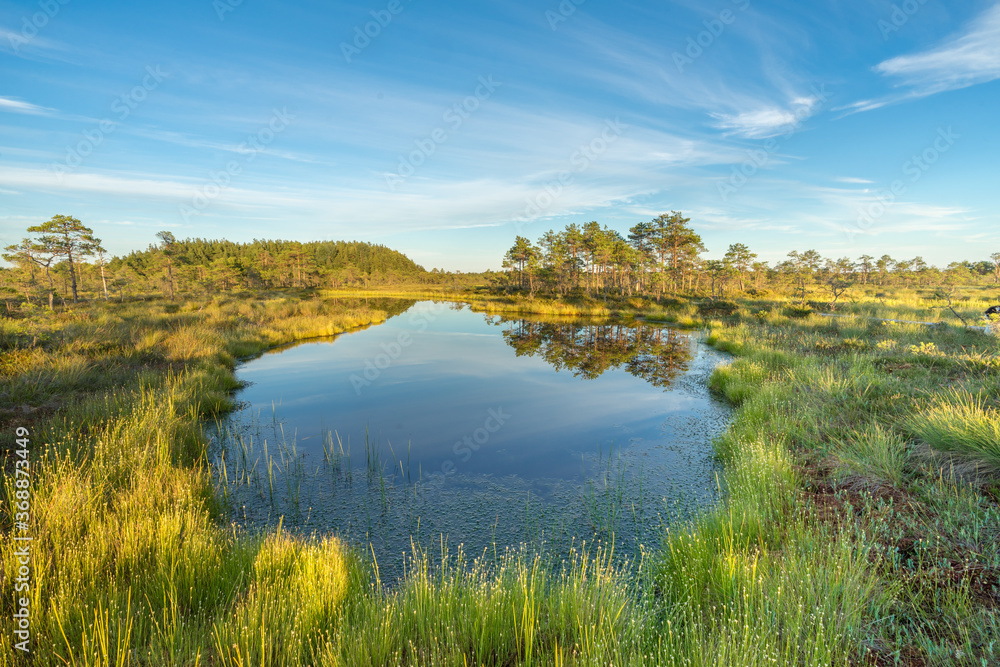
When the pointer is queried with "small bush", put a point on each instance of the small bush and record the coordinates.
(797, 311)
(854, 344)
(717, 308)
(928, 349)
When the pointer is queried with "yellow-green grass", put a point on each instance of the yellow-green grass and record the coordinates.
(128, 534)
(835, 543)
(963, 423)
(854, 401)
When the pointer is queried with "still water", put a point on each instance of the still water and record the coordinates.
(483, 431)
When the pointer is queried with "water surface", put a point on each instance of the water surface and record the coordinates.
(489, 431)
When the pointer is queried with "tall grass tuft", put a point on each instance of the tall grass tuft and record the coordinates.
(875, 452)
(293, 605)
(962, 423)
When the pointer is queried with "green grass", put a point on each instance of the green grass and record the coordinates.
(845, 536)
(875, 452)
(130, 549)
(962, 423)
(856, 402)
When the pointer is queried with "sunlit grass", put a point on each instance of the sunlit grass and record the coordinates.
(962, 423)
(135, 563)
(875, 451)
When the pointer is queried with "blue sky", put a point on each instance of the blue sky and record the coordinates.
(447, 129)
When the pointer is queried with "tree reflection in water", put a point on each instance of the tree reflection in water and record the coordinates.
(655, 353)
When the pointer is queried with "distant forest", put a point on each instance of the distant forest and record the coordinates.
(664, 255)
(220, 264)
(64, 260)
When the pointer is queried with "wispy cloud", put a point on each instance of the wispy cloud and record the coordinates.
(31, 48)
(965, 60)
(41, 179)
(181, 139)
(864, 105)
(640, 68)
(767, 121)
(721, 219)
(438, 205)
(20, 106)
(852, 179)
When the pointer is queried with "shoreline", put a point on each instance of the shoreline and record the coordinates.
(818, 435)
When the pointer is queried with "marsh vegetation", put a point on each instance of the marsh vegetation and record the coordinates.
(858, 521)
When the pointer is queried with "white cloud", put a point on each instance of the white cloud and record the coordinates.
(965, 60)
(721, 220)
(32, 48)
(863, 105)
(639, 68)
(181, 139)
(20, 106)
(852, 179)
(759, 123)
(437, 205)
(768, 121)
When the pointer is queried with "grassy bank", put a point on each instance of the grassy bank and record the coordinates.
(131, 560)
(859, 525)
(889, 433)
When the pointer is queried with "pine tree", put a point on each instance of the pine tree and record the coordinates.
(65, 236)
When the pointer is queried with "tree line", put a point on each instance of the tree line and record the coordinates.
(62, 257)
(52, 263)
(194, 264)
(665, 255)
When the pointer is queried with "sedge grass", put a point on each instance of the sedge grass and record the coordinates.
(135, 563)
(961, 422)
